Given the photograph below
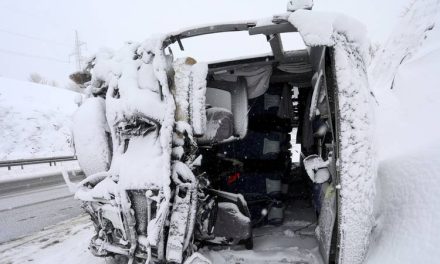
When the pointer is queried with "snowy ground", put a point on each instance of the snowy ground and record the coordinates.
(49, 245)
(405, 79)
(50, 206)
(34, 120)
(34, 198)
(293, 242)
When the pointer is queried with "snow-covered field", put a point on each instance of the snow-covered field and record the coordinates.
(34, 120)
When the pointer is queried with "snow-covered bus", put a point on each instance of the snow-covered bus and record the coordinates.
(192, 162)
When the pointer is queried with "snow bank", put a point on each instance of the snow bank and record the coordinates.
(34, 120)
(404, 79)
(405, 73)
(407, 227)
(403, 42)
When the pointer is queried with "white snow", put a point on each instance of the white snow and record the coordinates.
(34, 120)
(316, 28)
(198, 91)
(67, 242)
(320, 28)
(89, 132)
(133, 91)
(408, 138)
(102, 190)
(122, 74)
(137, 92)
(182, 71)
(294, 5)
(404, 79)
(189, 93)
(356, 161)
(141, 164)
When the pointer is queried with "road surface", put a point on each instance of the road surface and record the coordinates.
(67, 242)
(32, 207)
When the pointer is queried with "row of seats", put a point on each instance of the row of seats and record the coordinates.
(261, 160)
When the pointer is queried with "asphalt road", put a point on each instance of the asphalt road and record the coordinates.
(31, 208)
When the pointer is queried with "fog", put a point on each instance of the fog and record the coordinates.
(38, 36)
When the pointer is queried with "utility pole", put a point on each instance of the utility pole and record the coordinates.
(78, 52)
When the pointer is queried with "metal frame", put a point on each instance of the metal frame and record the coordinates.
(205, 30)
(272, 32)
(22, 162)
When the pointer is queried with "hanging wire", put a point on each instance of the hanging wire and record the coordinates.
(11, 52)
(34, 38)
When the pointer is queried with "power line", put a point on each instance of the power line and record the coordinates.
(32, 56)
(33, 38)
(78, 51)
(41, 18)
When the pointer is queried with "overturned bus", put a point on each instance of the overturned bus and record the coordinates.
(191, 162)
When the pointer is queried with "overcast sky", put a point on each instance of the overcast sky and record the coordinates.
(38, 35)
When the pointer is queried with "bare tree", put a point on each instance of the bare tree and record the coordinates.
(37, 78)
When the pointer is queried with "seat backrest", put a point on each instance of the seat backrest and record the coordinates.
(227, 108)
(219, 126)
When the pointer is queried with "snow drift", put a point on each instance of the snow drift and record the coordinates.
(405, 75)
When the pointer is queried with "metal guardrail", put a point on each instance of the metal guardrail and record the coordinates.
(23, 162)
